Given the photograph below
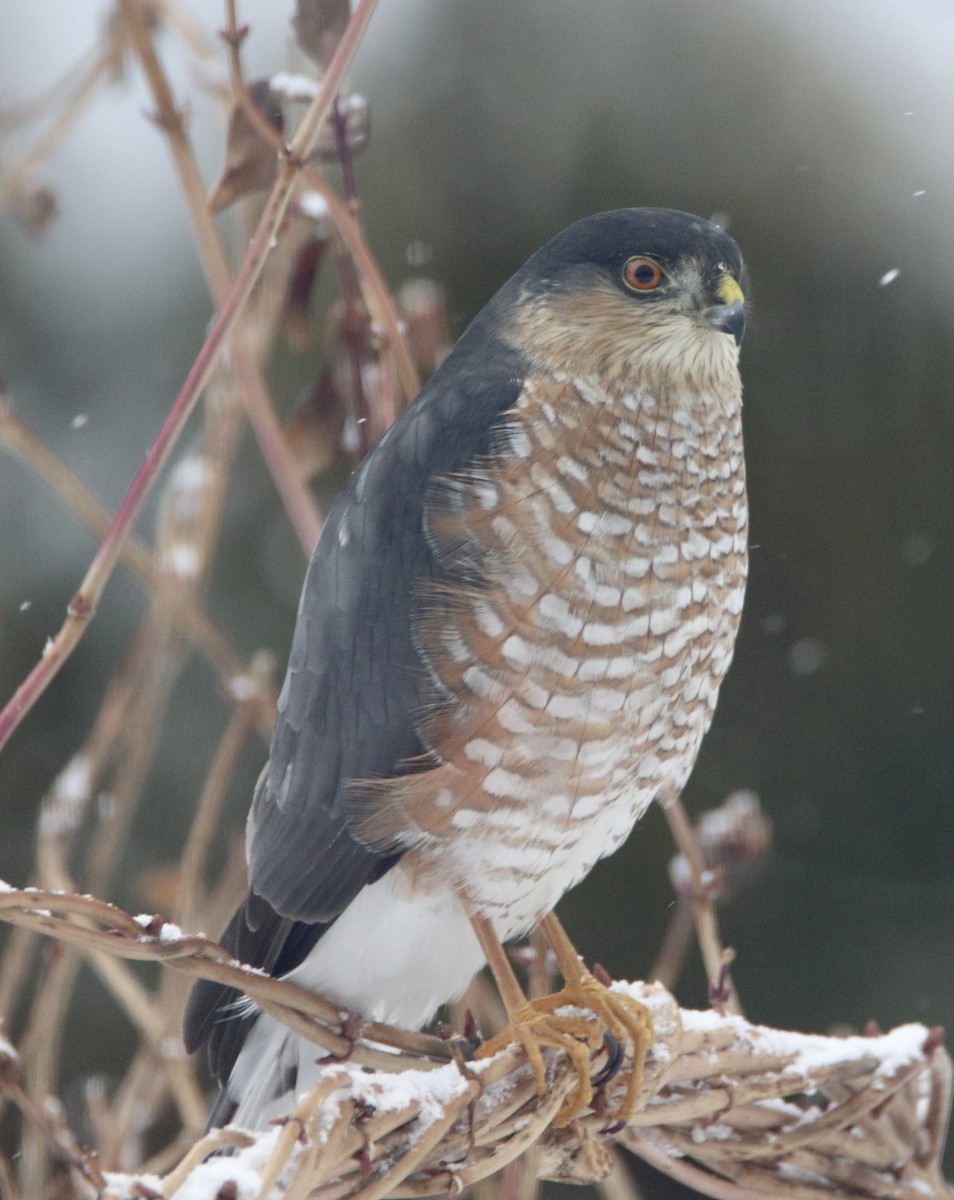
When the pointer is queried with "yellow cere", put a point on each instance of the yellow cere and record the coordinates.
(728, 290)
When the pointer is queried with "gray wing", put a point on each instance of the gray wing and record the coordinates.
(349, 706)
(355, 684)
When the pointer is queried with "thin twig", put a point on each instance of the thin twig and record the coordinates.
(159, 660)
(80, 93)
(8, 1183)
(275, 450)
(15, 971)
(192, 862)
(84, 1164)
(20, 440)
(233, 35)
(377, 294)
(184, 22)
(676, 944)
(707, 924)
(83, 605)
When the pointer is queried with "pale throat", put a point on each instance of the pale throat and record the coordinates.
(601, 334)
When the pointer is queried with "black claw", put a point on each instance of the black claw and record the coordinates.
(467, 1048)
(614, 1059)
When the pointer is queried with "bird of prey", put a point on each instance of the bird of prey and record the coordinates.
(510, 641)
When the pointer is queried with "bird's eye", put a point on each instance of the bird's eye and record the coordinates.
(642, 274)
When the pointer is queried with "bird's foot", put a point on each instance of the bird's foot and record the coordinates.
(534, 1026)
(546, 1022)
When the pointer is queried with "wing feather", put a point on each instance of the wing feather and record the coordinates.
(355, 684)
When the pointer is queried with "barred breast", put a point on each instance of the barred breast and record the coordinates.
(597, 565)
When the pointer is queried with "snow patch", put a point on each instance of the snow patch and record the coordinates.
(294, 87)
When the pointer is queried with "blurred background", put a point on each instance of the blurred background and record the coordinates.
(820, 133)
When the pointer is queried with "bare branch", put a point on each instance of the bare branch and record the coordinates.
(83, 605)
(734, 1109)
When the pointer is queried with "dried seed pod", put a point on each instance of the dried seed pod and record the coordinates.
(732, 838)
(318, 26)
(250, 162)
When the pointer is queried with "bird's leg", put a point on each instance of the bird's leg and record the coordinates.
(538, 1023)
(533, 1026)
(622, 1015)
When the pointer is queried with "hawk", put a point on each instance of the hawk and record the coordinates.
(510, 641)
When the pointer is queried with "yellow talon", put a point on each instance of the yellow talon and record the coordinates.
(539, 1023)
(535, 1026)
(626, 1019)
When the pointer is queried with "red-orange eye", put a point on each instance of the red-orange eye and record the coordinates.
(642, 274)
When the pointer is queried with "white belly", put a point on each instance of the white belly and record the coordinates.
(394, 955)
(391, 956)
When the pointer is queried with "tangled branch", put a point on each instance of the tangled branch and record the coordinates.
(733, 1109)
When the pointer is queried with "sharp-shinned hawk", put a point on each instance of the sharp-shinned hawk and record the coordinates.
(510, 641)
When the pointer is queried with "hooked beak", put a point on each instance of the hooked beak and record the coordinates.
(727, 318)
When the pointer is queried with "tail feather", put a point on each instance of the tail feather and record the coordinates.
(214, 1013)
(393, 955)
(273, 1063)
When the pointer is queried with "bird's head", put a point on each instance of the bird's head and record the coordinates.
(640, 293)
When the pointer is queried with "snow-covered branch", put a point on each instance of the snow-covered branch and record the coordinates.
(731, 1108)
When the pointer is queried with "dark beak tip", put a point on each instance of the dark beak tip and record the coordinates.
(728, 318)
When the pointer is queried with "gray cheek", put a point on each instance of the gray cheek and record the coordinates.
(689, 293)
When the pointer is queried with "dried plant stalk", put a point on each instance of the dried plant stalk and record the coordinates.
(733, 1109)
(84, 602)
(19, 440)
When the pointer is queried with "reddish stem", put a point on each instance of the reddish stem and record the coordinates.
(339, 125)
(83, 605)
